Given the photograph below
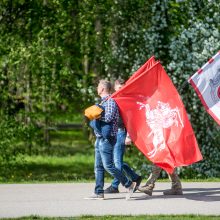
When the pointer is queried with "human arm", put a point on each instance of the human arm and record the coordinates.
(128, 140)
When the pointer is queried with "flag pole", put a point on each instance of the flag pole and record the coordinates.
(186, 82)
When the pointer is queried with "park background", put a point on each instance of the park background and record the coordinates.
(52, 53)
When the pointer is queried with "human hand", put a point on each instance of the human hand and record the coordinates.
(128, 141)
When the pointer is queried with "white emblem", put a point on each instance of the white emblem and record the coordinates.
(215, 87)
(160, 118)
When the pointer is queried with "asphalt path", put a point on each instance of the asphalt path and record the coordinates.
(67, 199)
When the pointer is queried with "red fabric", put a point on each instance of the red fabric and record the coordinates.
(162, 133)
(142, 69)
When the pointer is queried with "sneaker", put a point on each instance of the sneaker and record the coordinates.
(131, 189)
(171, 192)
(147, 189)
(96, 197)
(111, 189)
(138, 182)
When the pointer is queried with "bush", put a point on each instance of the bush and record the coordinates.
(188, 52)
(11, 133)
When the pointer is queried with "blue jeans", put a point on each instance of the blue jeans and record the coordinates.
(104, 161)
(119, 150)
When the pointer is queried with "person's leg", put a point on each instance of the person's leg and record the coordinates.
(118, 154)
(99, 174)
(106, 152)
(119, 150)
(176, 187)
(129, 172)
(99, 169)
(149, 186)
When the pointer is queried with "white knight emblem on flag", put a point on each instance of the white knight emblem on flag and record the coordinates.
(162, 117)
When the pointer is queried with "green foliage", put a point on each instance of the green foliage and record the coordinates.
(69, 158)
(127, 217)
(52, 53)
(188, 52)
(11, 132)
(53, 168)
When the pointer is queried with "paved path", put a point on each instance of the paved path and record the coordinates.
(64, 200)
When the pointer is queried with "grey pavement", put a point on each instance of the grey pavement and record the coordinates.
(67, 199)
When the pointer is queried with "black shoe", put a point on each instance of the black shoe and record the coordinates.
(111, 189)
(138, 182)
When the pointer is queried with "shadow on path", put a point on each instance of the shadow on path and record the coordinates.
(198, 194)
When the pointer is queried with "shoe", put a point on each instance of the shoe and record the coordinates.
(111, 189)
(138, 182)
(147, 189)
(170, 192)
(96, 197)
(131, 189)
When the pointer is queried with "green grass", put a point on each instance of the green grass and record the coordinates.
(68, 117)
(69, 158)
(71, 168)
(53, 168)
(140, 217)
(64, 143)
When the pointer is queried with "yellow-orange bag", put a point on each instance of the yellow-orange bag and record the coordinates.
(93, 112)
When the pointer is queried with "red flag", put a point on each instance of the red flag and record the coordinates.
(206, 82)
(156, 120)
(142, 69)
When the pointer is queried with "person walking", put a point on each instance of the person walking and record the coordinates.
(176, 186)
(105, 129)
(119, 150)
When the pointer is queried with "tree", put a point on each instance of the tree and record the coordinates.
(52, 53)
(189, 51)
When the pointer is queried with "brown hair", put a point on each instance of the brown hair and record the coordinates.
(119, 81)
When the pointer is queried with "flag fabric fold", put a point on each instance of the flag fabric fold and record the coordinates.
(142, 69)
(156, 120)
(206, 83)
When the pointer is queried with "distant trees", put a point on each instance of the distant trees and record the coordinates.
(52, 52)
(194, 46)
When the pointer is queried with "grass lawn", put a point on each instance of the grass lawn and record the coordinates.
(69, 158)
(71, 168)
(140, 217)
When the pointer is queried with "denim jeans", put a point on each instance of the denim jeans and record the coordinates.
(119, 150)
(104, 161)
